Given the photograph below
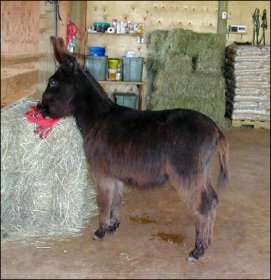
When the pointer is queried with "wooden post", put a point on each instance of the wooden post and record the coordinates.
(83, 42)
(222, 23)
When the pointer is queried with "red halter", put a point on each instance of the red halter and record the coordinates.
(44, 125)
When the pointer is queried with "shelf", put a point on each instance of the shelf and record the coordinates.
(20, 57)
(237, 33)
(121, 82)
(140, 86)
(115, 34)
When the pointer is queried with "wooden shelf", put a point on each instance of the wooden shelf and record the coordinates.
(17, 83)
(115, 34)
(121, 82)
(140, 86)
(21, 56)
(237, 33)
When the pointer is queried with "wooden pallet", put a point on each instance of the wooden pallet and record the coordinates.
(265, 124)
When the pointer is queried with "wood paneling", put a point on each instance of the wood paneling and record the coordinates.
(20, 26)
(200, 16)
(17, 83)
(240, 12)
(65, 13)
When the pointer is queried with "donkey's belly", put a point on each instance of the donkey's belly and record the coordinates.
(145, 181)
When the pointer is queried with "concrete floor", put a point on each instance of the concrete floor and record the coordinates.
(157, 231)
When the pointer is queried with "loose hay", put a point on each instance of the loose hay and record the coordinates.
(45, 187)
(188, 72)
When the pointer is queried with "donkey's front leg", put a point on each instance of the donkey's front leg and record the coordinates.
(105, 191)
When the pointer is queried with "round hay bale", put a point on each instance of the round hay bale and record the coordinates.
(45, 187)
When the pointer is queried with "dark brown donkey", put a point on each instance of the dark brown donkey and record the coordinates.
(125, 145)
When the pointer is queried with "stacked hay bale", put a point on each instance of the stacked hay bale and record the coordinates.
(247, 72)
(45, 188)
(187, 71)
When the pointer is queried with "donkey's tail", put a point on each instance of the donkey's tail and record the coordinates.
(223, 158)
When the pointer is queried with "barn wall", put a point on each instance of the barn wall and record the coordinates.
(200, 16)
(46, 29)
(27, 25)
(154, 14)
(20, 26)
(19, 49)
(240, 12)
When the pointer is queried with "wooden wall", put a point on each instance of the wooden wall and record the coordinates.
(46, 29)
(154, 14)
(20, 26)
(26, 27)
(19, 49)
(240, 12)
(199, 16)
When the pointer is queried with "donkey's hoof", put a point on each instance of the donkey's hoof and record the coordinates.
(191, 259)
(113, 228)
(99, 234)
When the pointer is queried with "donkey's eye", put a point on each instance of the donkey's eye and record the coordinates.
(53, 82)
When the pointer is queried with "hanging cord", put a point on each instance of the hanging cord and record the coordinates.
(256, 23)
(57, 17)
(57, 4)
(256, 29)
(264, 25)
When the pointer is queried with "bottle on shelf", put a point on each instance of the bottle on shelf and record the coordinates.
(119, 73)
(114, 24)
(118, 28)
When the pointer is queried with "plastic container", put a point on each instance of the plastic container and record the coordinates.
(126, 99)
(97, 66)
(101, 26)
(113, 63)
(96, 51)
(132, 68)
(113, 66)
(112, 74)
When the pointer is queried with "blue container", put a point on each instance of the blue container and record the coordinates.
(96, 51)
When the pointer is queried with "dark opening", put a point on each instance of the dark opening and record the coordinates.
(194, 62)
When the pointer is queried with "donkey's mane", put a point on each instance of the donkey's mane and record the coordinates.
(95, 85)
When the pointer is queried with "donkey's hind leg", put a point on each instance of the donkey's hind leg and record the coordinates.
(114, 216)
(104, 197)
(204, 211)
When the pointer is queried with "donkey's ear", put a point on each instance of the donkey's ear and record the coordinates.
(62, 55)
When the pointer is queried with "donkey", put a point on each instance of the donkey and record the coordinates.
(143, 148)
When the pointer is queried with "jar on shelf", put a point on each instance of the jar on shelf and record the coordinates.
(118, 27)
(114, 24)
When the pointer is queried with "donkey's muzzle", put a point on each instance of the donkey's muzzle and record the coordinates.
(43, 108)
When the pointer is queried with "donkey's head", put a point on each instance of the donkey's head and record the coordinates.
(58, 97)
